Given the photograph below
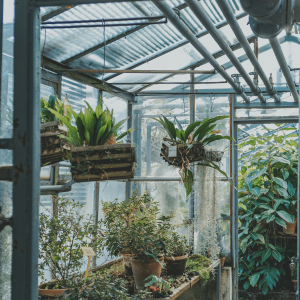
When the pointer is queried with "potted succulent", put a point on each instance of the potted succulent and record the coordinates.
(191, 146)
(118, 215)
(95, 154)
(53, 147)
(61, 237)
(178, 252)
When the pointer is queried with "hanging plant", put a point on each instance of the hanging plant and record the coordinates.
(190, 145)
(95, 154)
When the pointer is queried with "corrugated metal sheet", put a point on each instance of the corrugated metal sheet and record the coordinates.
(137, 47)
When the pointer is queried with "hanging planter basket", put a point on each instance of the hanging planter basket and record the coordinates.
(105, 162)
(182, 155)
(53, 148)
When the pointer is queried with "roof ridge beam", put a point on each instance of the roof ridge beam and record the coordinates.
(55, 13)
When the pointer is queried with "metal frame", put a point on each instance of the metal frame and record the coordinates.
(234, 217)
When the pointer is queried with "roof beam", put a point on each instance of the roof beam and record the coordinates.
(57, 67)
(202, 62)
(178, 45)
(55, 13)
(116, 38)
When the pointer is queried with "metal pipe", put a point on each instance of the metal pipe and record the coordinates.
(284, 67)
(139, 71)
(102, 20)
(104, 25)
(231, 19)
(201, 14)
(185, 31)
(167, 82)
(155, 179)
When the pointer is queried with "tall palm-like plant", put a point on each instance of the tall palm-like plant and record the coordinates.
(93, 127)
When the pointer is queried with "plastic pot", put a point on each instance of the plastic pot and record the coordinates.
(290, 227)
(176, 266)
(127, 263)
(142, 270)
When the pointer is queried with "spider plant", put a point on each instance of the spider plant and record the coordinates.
(200, 131)
(52, 104)
(92, 127)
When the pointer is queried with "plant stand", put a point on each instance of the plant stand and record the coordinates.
(53, 148)
(186, 154)
(100, 163)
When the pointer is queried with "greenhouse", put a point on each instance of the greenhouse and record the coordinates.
(149, 149)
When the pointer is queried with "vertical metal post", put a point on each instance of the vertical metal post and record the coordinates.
(130, 122)
(218, 296)
(96, 211)
(192, 195)
(234, 216)
(298, 212)
(59, 84)
(148, 156)
(1, 46)
(26, 152)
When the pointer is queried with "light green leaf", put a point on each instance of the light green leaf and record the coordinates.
(266, 254)
(254, 279)
(280, 222)
(281, 182)
(291, 189)
(280, 159)
(285, 216)
(276, 255)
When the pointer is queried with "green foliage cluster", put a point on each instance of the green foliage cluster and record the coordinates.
(198, 132)
(61, 237)
(92, 127)
(52, 104)
(134, 226)
(200, 264)
(267, 200)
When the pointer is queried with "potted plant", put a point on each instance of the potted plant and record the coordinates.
(61, 237)
(146, 235)
(53, 147)
(222, 257)
(95, 154)
(191, 146)
(178, 252)
(117, 217)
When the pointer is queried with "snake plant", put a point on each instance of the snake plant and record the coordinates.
(93, 127)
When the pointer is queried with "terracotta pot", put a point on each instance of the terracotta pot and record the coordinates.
(295, 285)
(222, 261)
(176, 266)
(290, 227)
(142, 270)
(127, 263)
(43, 292)
(263, 224)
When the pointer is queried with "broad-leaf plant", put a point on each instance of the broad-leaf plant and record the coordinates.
(267, 200)
(198, 132)
(93, 127)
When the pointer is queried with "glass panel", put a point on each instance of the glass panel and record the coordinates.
(6, 131)
(148, 135)
(171, 198)
(212, 106)
(108, 191)
(267, 113)
(46, 91)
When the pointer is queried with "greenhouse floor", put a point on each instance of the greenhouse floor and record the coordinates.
(245, 295)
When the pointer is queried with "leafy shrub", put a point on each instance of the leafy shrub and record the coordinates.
(267, 200)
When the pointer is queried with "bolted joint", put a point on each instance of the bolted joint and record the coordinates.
(239, 90)
(5, 221)
(256, 92)
(272, 91)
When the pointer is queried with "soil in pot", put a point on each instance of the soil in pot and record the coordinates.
(290, 227)
(127, 263)
(176, 266)
(142, 270)
(50, 291)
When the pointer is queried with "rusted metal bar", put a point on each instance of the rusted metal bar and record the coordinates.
(141, 71)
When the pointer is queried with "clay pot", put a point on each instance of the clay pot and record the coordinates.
(222, 261)
(176, 266)
(295, 285)
(263, 224)
(127, 263)
(290, 227)
(49, 292)
(142, 270)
